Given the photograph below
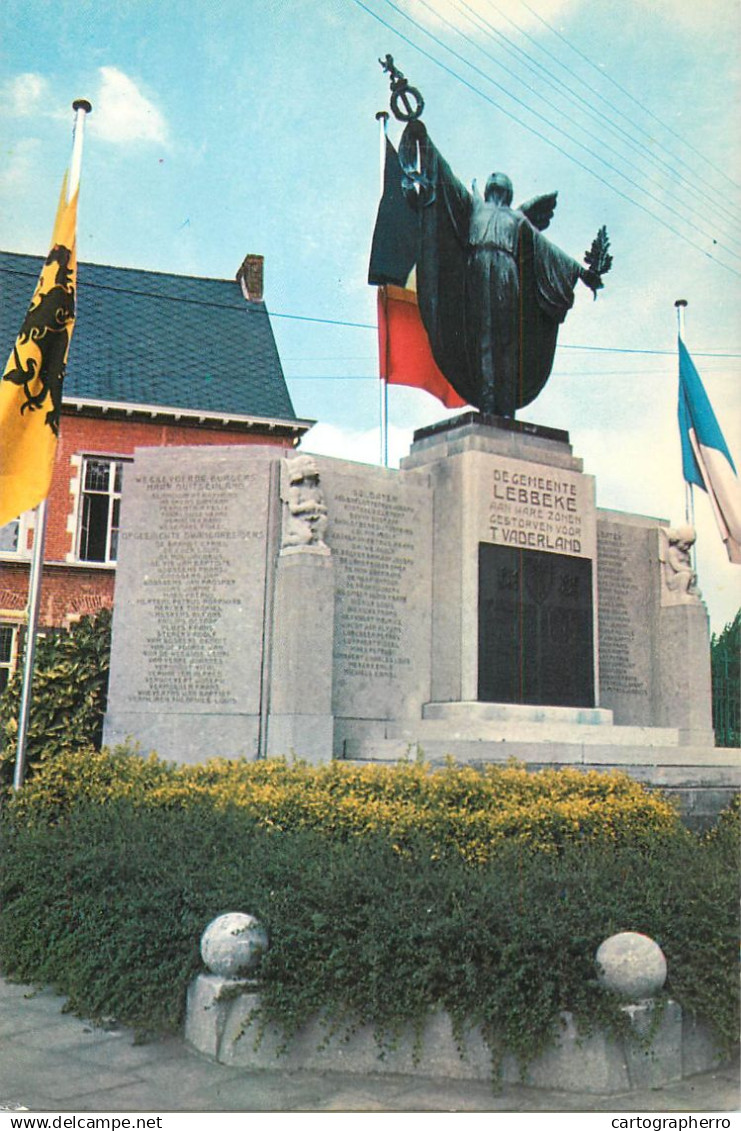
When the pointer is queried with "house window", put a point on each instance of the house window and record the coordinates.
(10, 537)
(100, 506)
(14, 537)
(8, 635)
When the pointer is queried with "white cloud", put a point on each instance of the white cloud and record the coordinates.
(360, 447)
(25, 95)
(123, 114)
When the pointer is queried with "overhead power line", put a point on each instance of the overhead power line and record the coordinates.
(560, 131)
(263, 312)
(688, 211)
(555, 373)
(635, 101)
(631, 120)
(567, 92)
(531, 129)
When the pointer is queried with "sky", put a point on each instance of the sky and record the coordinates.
(242, 126)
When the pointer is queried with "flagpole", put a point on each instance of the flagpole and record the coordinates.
(689, 494)
(680, 306)
(382, 118)
(81, 107)
(32, 621)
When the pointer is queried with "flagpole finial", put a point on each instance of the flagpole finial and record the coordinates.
(82, 104)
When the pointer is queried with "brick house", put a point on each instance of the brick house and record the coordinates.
(156, 360)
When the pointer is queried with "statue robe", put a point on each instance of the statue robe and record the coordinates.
(492, 290)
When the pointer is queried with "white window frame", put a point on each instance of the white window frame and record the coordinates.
(8, 663)
(113, 496)
(25, 523)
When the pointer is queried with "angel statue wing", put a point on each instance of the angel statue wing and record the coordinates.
(540, 209)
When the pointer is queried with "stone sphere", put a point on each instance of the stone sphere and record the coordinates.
(232, 944)
(631, 965)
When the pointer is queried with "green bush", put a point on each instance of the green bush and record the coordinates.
(68, 701)
(462, 811)
(108, 905)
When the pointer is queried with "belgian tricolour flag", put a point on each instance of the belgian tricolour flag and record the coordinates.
(31, 385)
(405, 357)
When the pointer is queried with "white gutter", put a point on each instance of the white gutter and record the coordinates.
(127, 408)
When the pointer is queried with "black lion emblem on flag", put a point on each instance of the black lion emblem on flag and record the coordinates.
(48, 325)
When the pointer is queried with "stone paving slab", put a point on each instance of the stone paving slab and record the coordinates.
(54, 1061)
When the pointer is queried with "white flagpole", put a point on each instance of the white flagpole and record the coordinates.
(81, 108)
(689, 495)
(32, 620)
(382, 118)
(384, 422)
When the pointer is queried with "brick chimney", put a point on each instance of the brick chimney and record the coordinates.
(250, 276)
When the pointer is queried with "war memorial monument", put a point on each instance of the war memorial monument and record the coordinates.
(475, 603)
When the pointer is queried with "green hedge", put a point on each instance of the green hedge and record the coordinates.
(108, 905)
(69, 692)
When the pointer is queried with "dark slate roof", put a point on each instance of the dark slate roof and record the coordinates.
(147, 338)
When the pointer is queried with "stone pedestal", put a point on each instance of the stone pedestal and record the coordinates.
(300, 705)
(514, 542)
(685, 696)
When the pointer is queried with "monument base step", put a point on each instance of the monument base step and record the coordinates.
(474, 730)
(702, 780)
(475, 710)
(722, 762)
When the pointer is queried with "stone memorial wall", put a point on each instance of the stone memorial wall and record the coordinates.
(270, 604)
(380, 538)
(190, 589)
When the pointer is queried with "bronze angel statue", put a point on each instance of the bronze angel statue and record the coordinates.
(492, 290)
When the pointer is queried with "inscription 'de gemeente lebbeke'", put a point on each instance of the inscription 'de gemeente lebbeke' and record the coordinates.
(536, 511)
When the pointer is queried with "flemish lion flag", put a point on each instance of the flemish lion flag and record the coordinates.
(31, 385)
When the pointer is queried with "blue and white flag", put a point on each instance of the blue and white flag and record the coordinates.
(706, 459)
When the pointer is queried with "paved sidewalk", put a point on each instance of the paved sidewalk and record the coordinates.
(53, 1062)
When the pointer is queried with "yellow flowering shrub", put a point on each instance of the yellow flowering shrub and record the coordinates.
(458, 808)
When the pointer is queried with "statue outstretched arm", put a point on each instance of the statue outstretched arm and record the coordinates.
(591, 279)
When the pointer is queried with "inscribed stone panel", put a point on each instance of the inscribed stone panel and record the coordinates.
(188, 627)
(380, 538)
(624, 581)
(535, 507)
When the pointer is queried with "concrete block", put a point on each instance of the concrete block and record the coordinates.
(683, 659)
(662, 1061)
(576, 1063)
(209, 1003)
(228, 1027)
(699, 1047)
